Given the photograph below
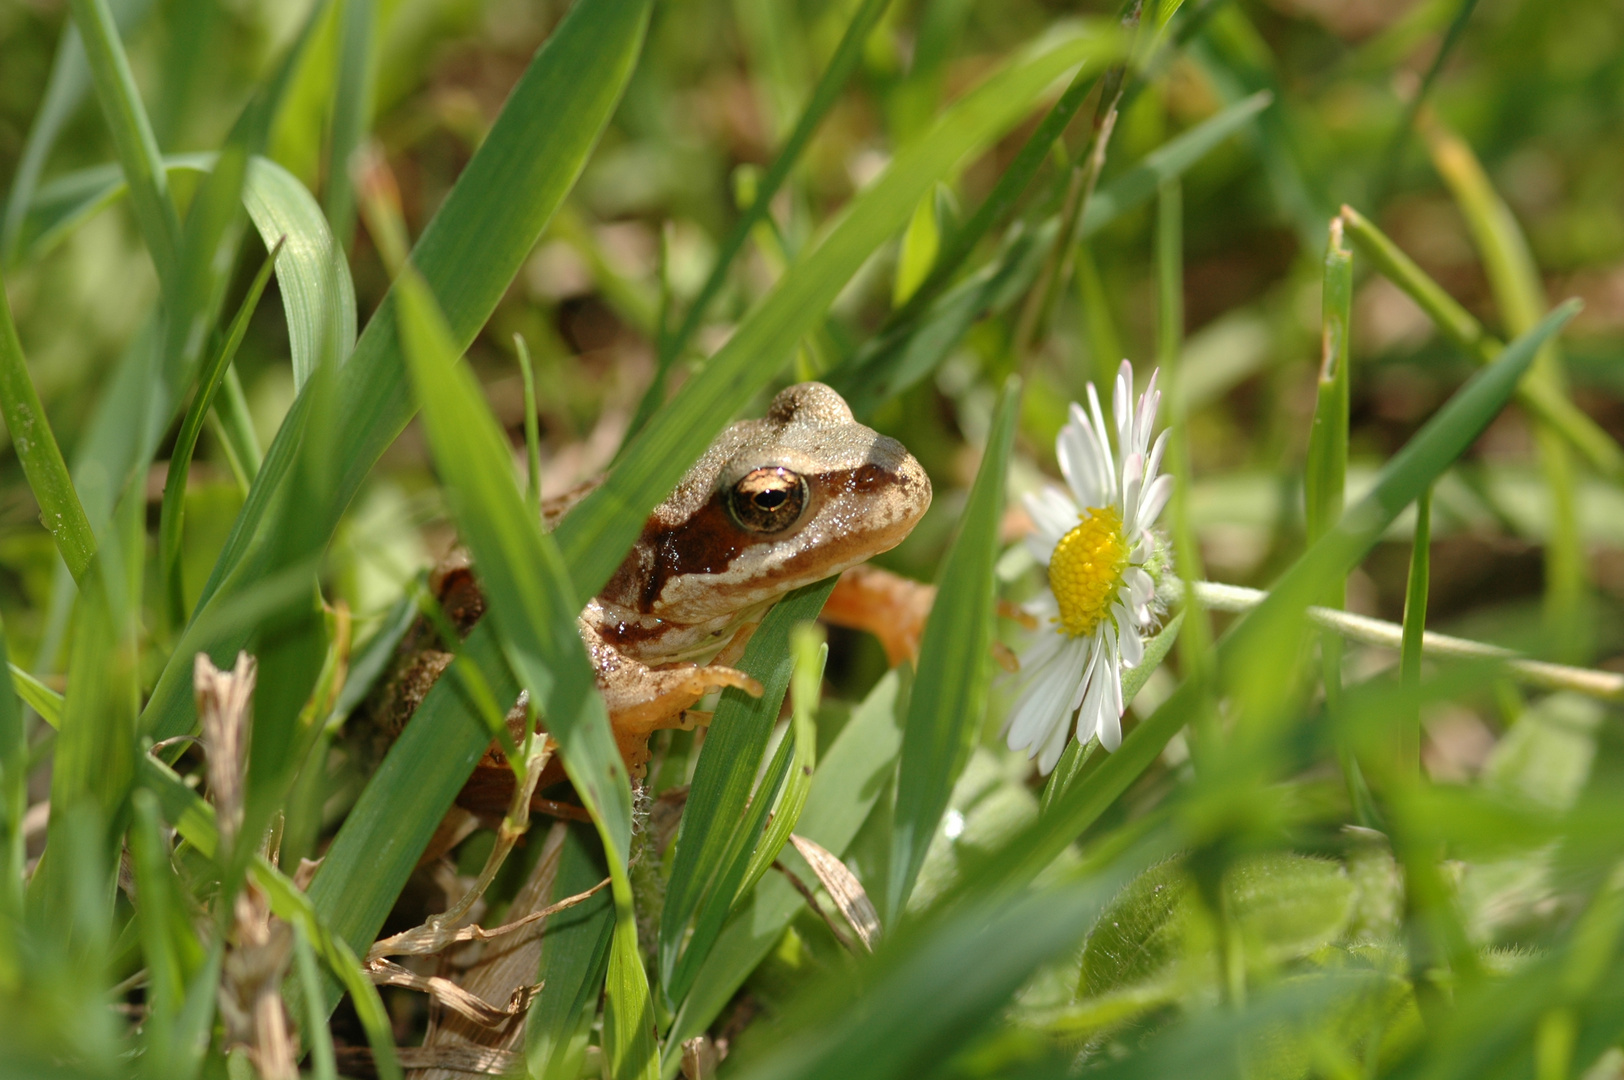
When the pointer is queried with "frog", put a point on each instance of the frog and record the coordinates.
(800, 495)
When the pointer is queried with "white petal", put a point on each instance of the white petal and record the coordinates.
(1130, 503)
(1105, 446)
(1053, 516)
(1122, 405)
(1132, 646)
(1055, 745)
(1154, 465)
(1041, 704)
(1078, 450)
(1153, 502)
(1140, 586)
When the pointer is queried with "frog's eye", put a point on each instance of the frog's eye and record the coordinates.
(768, 500)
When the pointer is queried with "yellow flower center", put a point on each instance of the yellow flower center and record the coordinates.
(1085, 571)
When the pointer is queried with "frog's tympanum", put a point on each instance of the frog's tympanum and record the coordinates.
(774, 504)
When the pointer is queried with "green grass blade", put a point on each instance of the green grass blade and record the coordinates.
(173, 511)
(352, 110)
(629, 1039)
(1326, 474)
(132, 135)
(160, 950)
(60, 511)
(834, 78)
(313, 1026)
(468, 255)
(853, 774)
(1438, 444)
(753, 846)
(194, 820)
(597, 533)
(931, 324)
(13, 794)
(532, 428)
(1519, 293)
(811, 653)
(1415, 626)
(723, 777)
(1138, 185)
(949, 697)
(573, 964)
(523, 576)
(64, 92)
(1597, 447)
(311, 271)
(39, 697)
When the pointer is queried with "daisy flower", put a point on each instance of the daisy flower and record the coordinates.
(1101, 552)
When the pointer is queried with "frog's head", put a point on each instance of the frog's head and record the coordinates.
(774, 504)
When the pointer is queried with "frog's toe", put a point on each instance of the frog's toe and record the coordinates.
(719, 676)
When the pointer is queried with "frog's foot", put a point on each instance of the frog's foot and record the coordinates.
(644, 700)
(891, 607)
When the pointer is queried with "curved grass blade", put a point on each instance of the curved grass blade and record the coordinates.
(1432, 450)
(949, 697)
(311, 271)
(597, 533)
(318, 294)
(60, 510)
(172, 515)
(13, 791)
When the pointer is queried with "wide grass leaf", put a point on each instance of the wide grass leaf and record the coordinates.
(950, 695)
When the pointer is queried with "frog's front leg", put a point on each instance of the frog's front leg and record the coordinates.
(642, 700)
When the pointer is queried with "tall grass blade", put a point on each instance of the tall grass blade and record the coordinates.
(714, 826)
(352, 110)
(60, 511)
(172, 514)
(949, 697)
(1415, 626)
(1520, 296)
(13, 801)
(131, 131)
(64, 92)
(573, 965)
(524, 579)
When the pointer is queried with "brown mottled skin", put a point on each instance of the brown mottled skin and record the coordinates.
(697, 582)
